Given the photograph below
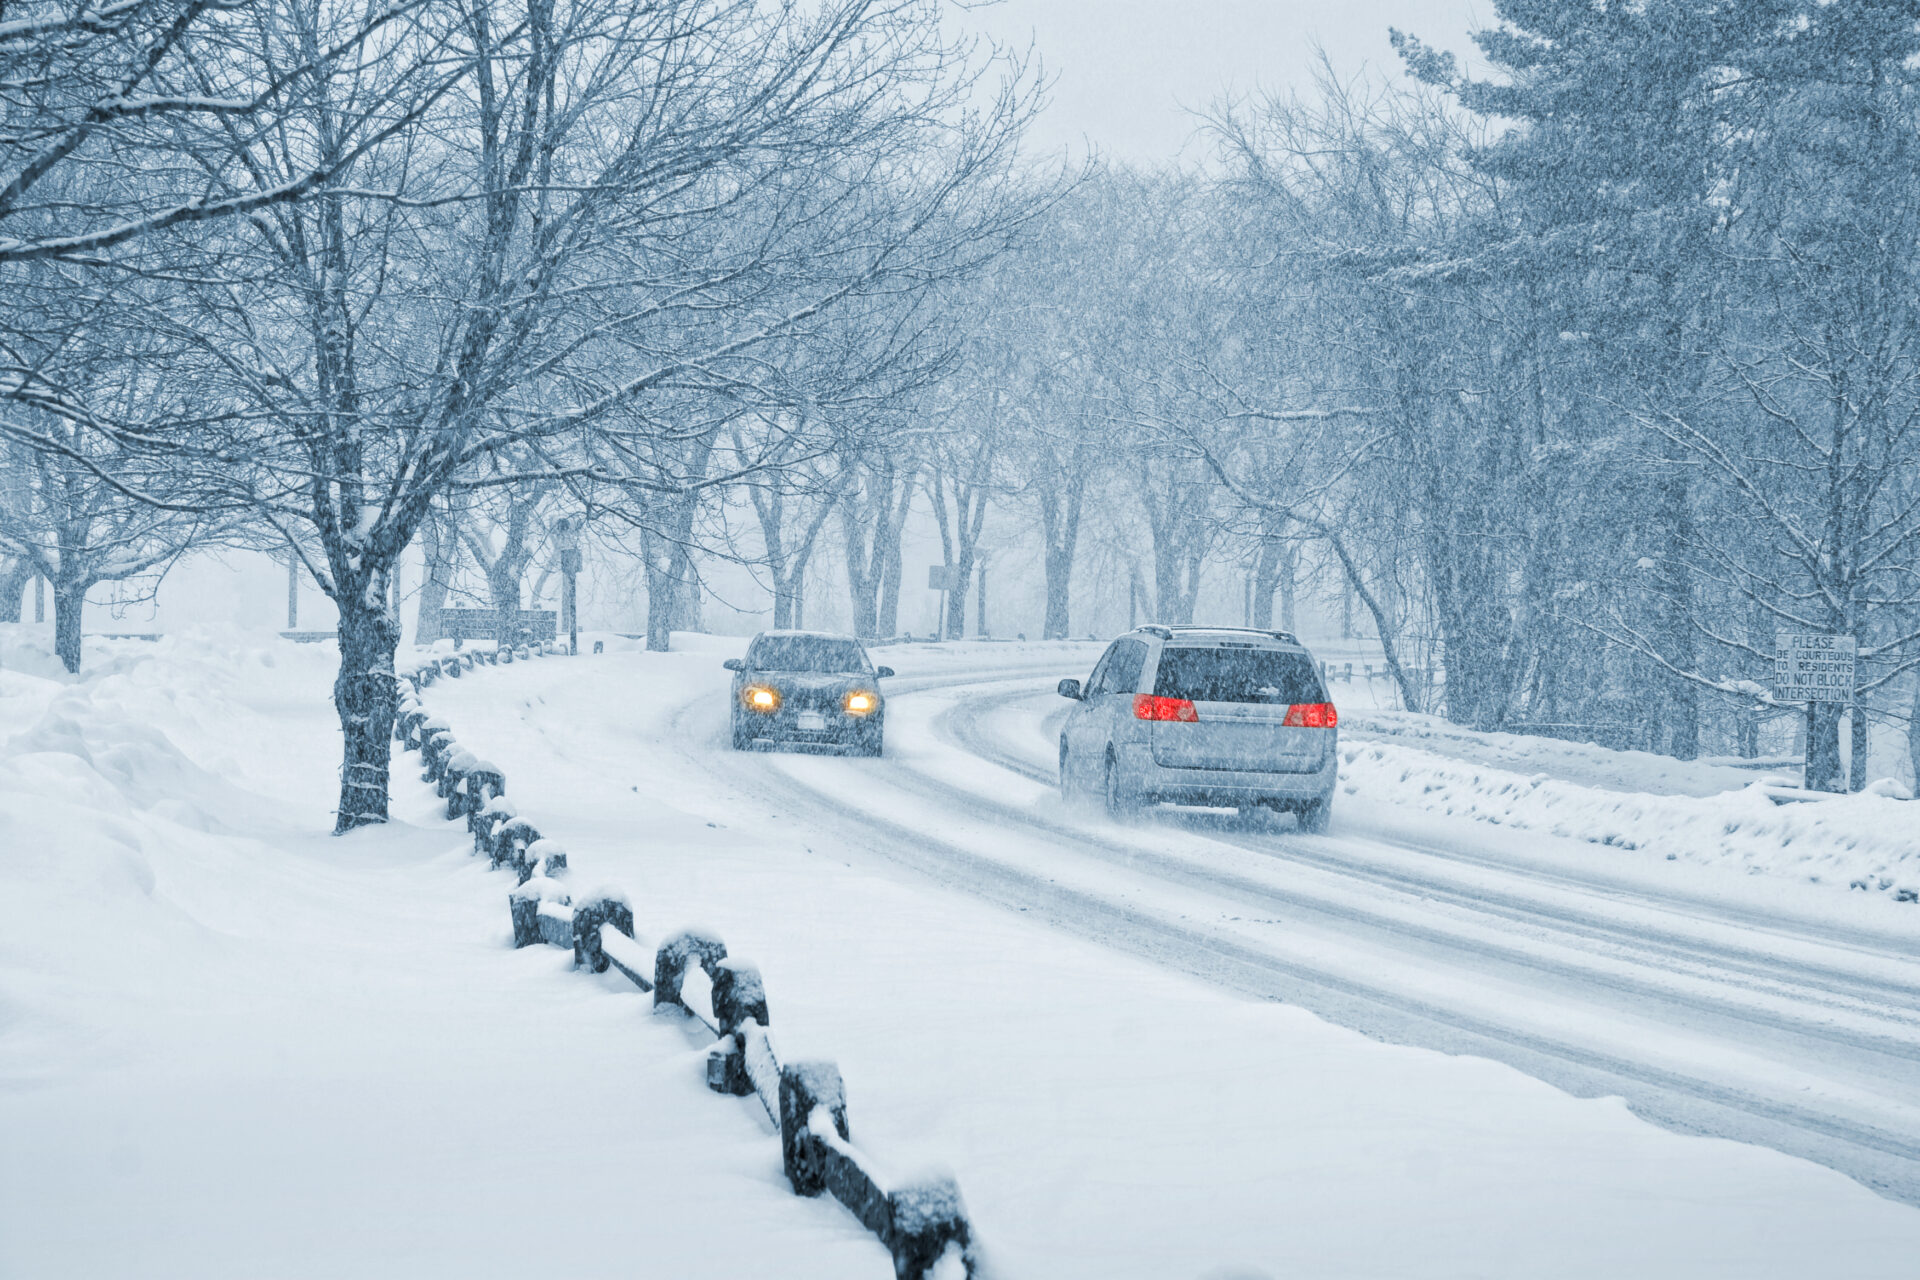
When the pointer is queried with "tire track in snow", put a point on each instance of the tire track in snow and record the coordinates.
(1886, 1158)
(1890, 1000)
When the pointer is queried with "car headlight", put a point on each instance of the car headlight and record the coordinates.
(860, 702)
(760, 697)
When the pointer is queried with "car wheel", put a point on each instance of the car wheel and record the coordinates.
(742, 740)
(1315, 816)
(1066, 786)
(1120, 804)
(872, 742)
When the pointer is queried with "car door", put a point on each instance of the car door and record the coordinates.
(1115, 704)
(1085, 731)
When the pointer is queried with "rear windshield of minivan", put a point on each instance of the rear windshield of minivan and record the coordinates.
(1237, 675)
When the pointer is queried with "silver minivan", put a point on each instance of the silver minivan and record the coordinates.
(1221, 716)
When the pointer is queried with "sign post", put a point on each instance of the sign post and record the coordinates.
(566, 536)
(940, 578)
(1819, 671)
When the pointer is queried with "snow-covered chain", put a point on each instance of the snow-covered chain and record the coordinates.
(922, 1222)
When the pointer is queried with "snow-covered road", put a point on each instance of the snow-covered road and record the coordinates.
(1793, 1032)
(1744, 1015)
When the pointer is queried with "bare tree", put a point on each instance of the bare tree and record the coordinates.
(452, 289)
(62, 521)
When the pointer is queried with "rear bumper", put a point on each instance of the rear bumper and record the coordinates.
(1156, 784)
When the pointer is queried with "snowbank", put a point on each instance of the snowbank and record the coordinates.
(234, 1046)
(1704, 812)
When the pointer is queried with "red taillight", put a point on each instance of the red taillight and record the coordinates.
(1312, 715)
(1147, 706)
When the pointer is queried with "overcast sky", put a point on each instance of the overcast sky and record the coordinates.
(1123, 70)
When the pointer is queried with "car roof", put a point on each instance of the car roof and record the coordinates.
(809, 635)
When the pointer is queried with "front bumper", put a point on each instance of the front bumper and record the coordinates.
(1158, 784)
(785, 725)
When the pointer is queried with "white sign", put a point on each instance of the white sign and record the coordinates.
(1810, 668)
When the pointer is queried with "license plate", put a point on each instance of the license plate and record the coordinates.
(812, 722)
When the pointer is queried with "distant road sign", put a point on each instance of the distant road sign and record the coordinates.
(939, 577)
(1813, 668)
(480, 624)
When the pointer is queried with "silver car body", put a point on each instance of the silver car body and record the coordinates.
(1235, 753)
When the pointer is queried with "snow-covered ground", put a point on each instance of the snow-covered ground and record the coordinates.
(231, 1045)
(1708, 812)
(925, 919)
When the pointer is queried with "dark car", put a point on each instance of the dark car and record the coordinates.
(808, 686)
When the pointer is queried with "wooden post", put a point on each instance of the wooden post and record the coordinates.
(293, 591)
(39, 598)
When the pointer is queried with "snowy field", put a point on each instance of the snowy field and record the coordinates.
(234, 1046)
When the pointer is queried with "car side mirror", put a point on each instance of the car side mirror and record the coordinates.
(735, 664)
(1070, 689)
(881, 673)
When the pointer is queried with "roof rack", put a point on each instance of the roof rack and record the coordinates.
(1166, 632)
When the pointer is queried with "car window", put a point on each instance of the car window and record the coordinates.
(1100, 669)
(1237, 675)
(806, 653)
(1123, 676)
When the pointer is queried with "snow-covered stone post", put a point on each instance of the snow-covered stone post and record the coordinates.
(590, 915)
(671, 960)
(524, 902)
(739, 999)
(807, 1087)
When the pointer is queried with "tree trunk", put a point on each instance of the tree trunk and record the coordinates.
(69, 602)
(862, 584)
(1060, 509)
(364, 696)
(14, 575)
(1266, 577)
(437, 554)
(785, 599)
(1676, 609)
(686, 587)
(891, 568)
(673, 586)
(503, 591)
(1823, 746)
(1913, 736)
(870, 525)
(1289, 572)
(957, 593)
(1857, 764)
(659, 599)
(1059, 578)
(1402, 678)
